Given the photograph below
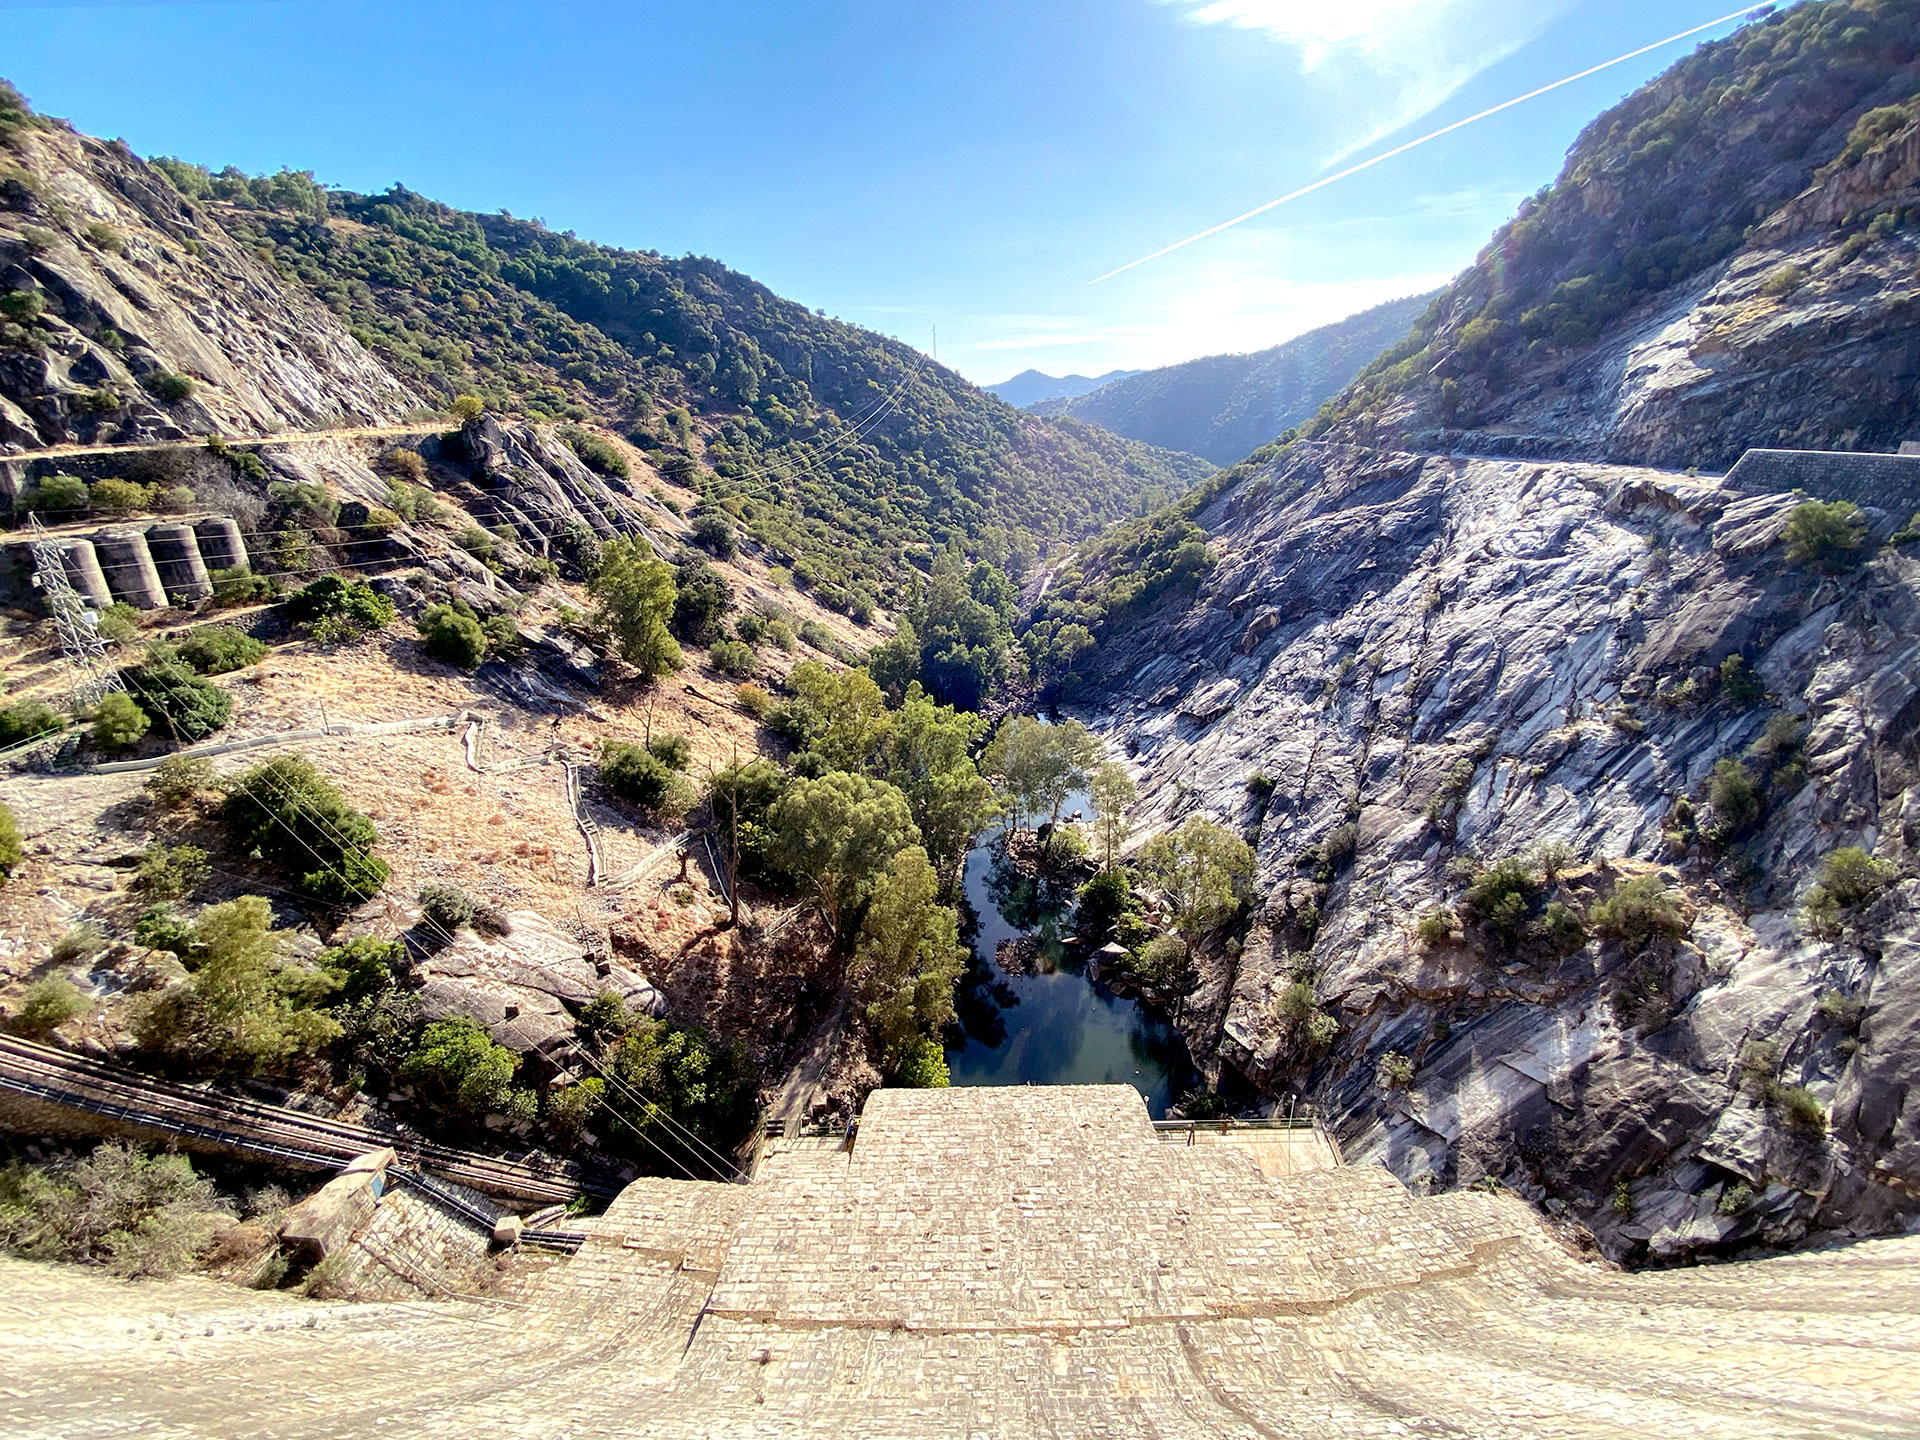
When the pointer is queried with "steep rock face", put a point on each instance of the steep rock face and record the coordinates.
(132, 283)
(1727, 260)
(1437, 658)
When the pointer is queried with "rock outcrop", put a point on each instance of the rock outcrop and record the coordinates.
(1430, 659)
(127, 291)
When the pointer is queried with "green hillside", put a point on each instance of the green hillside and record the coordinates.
(850, 455)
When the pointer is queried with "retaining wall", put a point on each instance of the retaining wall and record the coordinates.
(1886, 482)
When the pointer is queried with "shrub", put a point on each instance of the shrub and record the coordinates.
(239, 586)
(702, 598)
(713, 532)
(1260, 786)
(467, 407)
(79, 942)
(141, 1215)
(169, 386)
(479, 543)
(118, 623)
(1562, 928)
(1829, 536)
(406, 466)
(1637, 911)
(1734, 796)
(334, 608)
(596, 454)
(1739, 683)
(26, 719)
(180, 780)
(1736, 1199)
(447, 907)
(218, 649)
(1436, 926)
(160, 927)
(453, 636)
(1102, 901)
(504, 640)
(755, 701)
(46, 1005)
(730, 657)
(303, 827)
(673, 751)
(1161, 961)
(186, 707)
(12, 850)
(103, 236)
(1394, 1071)
(1502, 895)
(57, 492)
(461, 1070)
(121, 497)
(1783, 281)
(1849, 878)
(642, 779)
(363, 966)
(170, 873)
(923, 1065)
(1798, 1104)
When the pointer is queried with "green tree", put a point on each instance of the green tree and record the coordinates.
(838, 834)
(927, 760)
(449, 634)
(838, 714)
(244, 1008)
(894, 663)
(702, 598)
(633, 594)
(300, 823)
(1829, 536)
(1041, 764)
(923, 1065)
(1113, 793)
(964, 624)
(334, 608)
(118, 722)
(642, 778)
(461, 1070)
(909, 957)
(668, 1084)
(12, 850)
(25, 719)
(186, 707)
(1201, 868)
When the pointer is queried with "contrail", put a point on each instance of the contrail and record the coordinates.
(1321, 184)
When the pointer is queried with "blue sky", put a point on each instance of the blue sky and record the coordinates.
(970, 164)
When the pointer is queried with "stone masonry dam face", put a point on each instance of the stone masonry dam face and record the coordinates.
(1006, 1263)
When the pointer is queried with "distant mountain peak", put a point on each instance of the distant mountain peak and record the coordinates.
(1030, 387)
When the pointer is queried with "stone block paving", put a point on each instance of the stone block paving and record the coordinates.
(1006, 1263)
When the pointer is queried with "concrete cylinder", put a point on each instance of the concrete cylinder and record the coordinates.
(128, 566)
(84, 574)
(220, 543)
(176, 554)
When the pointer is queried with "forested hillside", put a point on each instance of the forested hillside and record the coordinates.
(1223, 407)
(840, 449)
(850, 457)
(1727, 259)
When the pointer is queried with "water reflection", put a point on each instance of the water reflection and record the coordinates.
(1052, 1026)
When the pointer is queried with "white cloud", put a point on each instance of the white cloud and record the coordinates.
(1398, 59)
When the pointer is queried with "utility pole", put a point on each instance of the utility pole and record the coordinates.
(77, 625)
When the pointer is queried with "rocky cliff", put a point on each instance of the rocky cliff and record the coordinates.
(1727, 260)
(130, 316)
(1403, 669)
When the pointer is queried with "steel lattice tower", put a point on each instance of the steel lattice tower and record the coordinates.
(77, 623)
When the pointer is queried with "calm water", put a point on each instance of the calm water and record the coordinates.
(1054, 1027)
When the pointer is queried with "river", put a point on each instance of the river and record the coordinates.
(1053, 1026)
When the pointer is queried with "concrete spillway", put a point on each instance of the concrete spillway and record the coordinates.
(129, 569)
(176, 555)
(220, 543)
(82, 567)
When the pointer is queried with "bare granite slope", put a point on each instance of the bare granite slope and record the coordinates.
(1434, 659)
(134, 284)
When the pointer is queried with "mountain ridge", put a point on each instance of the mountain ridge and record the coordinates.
(1032, 387)
(1223, 407)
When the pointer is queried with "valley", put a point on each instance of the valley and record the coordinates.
(579, 708)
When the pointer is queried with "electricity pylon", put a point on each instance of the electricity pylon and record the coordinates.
(77, 623)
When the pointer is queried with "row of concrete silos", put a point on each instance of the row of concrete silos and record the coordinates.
(165, 564)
